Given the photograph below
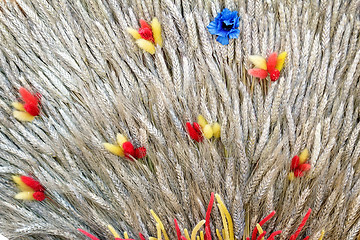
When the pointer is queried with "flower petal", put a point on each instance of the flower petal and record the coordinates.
(144, 24)
(304, 156)
(201, 121)
(147, 34)
(35, 185)
(208, 132)
(197, 128)
(146, 45)
(298, 173)
(193, 133)
(223, 33)
(18, 106)
(216, 129)
(229, 22)
(271, 62)
(32, 109)
(294, 162)
(120, 139)
(223, 40)
(234, 33)
(128, 149)
(257, 72)
(114, 149)
(28, 97)
(156, 28)
(21, 185)
(280, 61)
(133, 33)
(305, 167)
(212, 27)
(23, 116)
(39, 196)
(225, 12)
(92, 237)
(258, 61)
(25, 195)
(140, 152)
(237, 22)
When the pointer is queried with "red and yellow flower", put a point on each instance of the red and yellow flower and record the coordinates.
(272, 66)
(299, 165)
(202, 128)
(30, 188)
(30, 109)
(148, 35)
(124, 148)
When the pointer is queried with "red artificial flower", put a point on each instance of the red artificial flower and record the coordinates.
(297, 168)
(140, 152)
(31, 102)
(145, 31)
(32, 183)
(298, 173)
(194, 131)
(294, 162)
(30, 188)
(129, 150)
(39, 196)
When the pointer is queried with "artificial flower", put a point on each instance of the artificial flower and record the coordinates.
(209, 130)
(30, 188)
(272, 66)
(198, 130)
(148, 35)
(194, 131)
(299, 165)
(124, 148)
(30, 109)
(225, 26)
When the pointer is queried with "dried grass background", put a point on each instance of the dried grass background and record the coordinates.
(95, 82)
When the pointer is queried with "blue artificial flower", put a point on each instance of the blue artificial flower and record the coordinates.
(225, 25)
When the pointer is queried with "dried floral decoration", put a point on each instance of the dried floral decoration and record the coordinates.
(125, 148)
(28, 110)
(302, 224)
(30, 188)
(194, 131)
(209, 130)
(225, 26)
(262, 233)
(299, 165)
(228, 231)
(202, 128)
(147, 35)
(272, 66)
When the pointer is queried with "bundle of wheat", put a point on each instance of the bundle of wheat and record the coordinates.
(235, 119)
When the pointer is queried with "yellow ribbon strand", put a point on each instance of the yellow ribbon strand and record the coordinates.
(187, 236)
(260, 230)
(218, 234)
(113, 231)
(196, 229)
(322, 234)
(157, 219)
(228, 217)
(158, 229)
(201, 235)
(225, 230)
